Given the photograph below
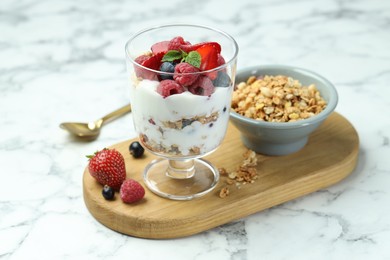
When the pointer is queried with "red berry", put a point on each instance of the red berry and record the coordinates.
(188, 48)
(169, 87)
(131, 191)
(160, 47)
(152, 62)
(209, 59)
(177, 43)
(185, 74)
(202, 87)
(108, 167)
(220, 60)
(141, 59)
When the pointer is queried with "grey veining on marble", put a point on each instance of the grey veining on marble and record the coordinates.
(64, 60)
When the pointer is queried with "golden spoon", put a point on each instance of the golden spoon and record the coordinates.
(91, 130)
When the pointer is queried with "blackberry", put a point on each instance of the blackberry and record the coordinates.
(136, 149)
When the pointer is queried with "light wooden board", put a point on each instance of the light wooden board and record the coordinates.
(330, 155)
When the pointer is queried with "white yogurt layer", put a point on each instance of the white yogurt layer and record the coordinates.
(151, 112)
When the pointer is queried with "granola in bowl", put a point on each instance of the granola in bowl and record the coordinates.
(277, 107)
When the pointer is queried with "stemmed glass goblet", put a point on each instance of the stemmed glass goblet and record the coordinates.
(181, 125)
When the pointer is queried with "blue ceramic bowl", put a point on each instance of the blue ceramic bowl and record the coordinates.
(282, 138)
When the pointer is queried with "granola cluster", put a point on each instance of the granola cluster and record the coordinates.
(180, 124)
(276, 99)
(177, 125)
(246, 173)
(171, 150)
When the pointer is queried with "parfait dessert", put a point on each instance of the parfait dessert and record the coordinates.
(180, 95)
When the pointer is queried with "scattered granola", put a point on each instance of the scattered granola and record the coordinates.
(224, 192)
(222, 171)
(246, 173)
(276, 99)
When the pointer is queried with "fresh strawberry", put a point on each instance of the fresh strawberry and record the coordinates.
(160, 47)
(108, 167)
(188, 48)
(131, 191)
(209, 59)
(185, 74)
(152, 62)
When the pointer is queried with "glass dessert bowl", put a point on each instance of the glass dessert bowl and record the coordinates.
(182, 77)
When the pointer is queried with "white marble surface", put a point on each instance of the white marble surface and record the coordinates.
(64, 60)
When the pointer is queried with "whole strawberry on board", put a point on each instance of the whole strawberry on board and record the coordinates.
(108, 167)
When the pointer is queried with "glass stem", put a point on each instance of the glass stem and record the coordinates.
(181, 169)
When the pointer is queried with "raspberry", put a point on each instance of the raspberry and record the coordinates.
(202, 87)
(131, 191)
(220, 60)
(141, 59)
(185, 79)
(176, 43)
(169, 87)
(160, 47)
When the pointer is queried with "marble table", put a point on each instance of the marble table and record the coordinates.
(64, 60)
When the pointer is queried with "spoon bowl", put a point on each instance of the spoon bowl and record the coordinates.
(92, 129)
(82, 129)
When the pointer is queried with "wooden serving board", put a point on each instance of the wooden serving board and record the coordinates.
(330, 155)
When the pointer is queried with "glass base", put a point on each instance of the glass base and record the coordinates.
(181, 180)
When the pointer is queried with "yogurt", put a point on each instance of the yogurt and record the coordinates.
(182, 125)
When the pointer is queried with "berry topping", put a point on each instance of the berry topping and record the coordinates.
(183, 74)
(220, 60)
(131, 191)
(107, 167)
(177, 43)
(108, 192)
(169, 87)
(136, 149)
(160, 47)
(167, 67)
(209, 59)
(222, 80)
(152, 62)
(141, 59)
(203, 86)
(189, 48)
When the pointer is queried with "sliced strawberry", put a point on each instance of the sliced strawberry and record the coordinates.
(214, 44)
(160, 47)
(188, 48)
(152, 62)
(209, 59)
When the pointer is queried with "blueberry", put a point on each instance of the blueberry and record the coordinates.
(136, 149)
(222, 80)
(167, 67)
(108, 192)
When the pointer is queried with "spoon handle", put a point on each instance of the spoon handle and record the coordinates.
(117, 113)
